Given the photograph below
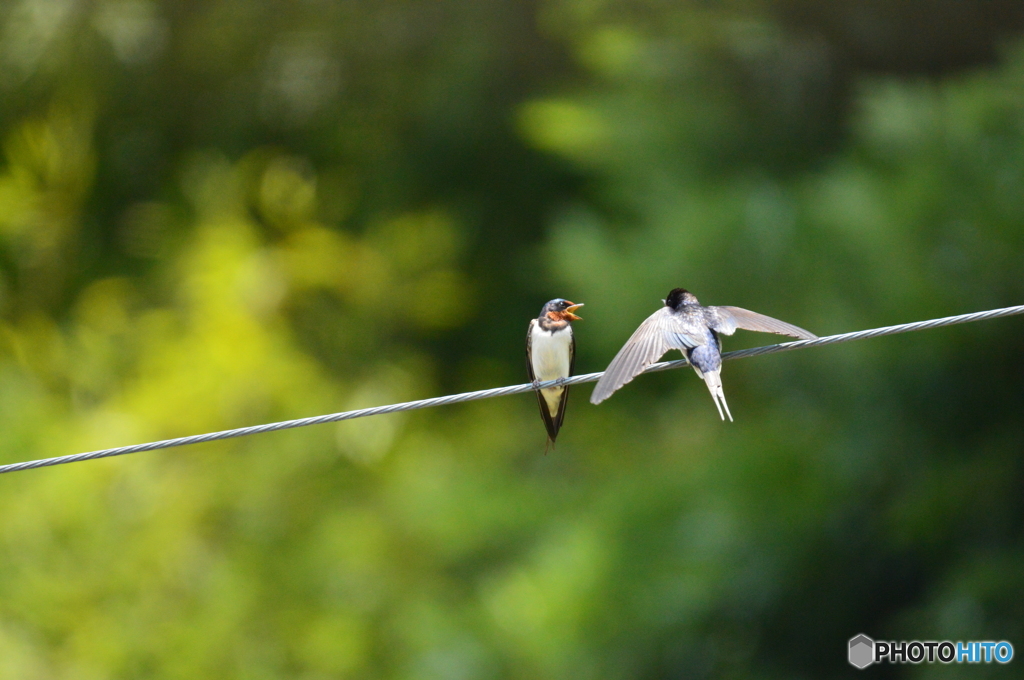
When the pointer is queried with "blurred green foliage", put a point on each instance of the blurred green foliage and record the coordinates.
(215, 214)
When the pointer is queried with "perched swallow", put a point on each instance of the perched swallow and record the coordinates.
(551, 354)
(684, 324)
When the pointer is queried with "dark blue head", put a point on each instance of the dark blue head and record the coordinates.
(560, 310)
(679, 297)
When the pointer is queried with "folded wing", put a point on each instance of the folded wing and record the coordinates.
(726, 320)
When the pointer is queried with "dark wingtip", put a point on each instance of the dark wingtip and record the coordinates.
(550, 442)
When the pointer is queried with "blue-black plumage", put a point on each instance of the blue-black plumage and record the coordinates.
(684, 324)
(550, 355)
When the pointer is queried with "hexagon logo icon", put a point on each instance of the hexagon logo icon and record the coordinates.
(862, 651)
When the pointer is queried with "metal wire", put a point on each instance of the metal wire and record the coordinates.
(502, 391)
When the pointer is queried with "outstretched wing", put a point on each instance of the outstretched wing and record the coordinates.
(726, 320)
(659, 333)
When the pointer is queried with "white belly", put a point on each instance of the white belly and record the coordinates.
(550, 356)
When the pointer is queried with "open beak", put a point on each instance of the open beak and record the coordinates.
(572, 308)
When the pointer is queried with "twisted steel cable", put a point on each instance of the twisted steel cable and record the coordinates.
(503, 391)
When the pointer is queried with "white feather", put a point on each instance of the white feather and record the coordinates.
(549, 354)
(713, 380)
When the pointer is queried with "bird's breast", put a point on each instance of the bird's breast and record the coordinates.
(551, 353)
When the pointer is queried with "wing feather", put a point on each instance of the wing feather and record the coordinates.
(727, 319)
(557, 424)
(529, 348)
(659, 333)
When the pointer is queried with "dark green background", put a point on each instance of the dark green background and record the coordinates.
(221, 213)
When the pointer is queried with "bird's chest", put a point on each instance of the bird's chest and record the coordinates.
(551, 353)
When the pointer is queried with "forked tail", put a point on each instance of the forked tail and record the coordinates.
(713, 379)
